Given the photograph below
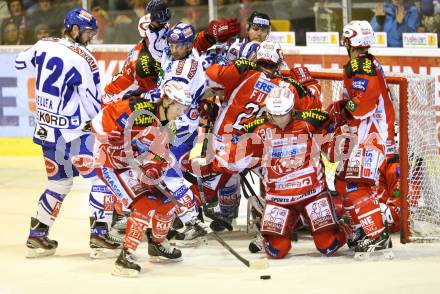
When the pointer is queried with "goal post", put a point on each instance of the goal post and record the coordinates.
(414, 102)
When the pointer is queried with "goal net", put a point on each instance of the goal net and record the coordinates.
(414, 102)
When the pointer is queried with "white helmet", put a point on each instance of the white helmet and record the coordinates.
(143, 24)
(280, 101)
(177, 91)
(358, 34)
(270, 52)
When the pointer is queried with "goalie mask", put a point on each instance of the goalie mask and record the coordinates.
(358, 34)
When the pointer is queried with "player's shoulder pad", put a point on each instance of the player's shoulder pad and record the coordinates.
(315, 117)
(360, 65)
(251, 126)
(300, 88)
(244, 65)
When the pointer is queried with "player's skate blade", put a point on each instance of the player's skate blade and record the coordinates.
(39, 252)
(125, 265)
(380, 246)
(163, 252)
(386, 253)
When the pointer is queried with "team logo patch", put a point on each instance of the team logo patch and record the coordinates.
(51, 167)
(320, 214)
(83, 163)
(360, 84)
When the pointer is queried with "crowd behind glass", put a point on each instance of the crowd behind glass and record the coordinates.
(26, 21)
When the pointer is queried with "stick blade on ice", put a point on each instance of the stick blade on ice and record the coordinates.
(258, 264)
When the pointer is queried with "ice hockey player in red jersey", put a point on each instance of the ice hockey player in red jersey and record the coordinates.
(367, 108)
(132, 156)
(246, 85)
(284, 145)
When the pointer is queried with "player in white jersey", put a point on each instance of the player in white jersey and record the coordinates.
(67, 96)
(181, 62)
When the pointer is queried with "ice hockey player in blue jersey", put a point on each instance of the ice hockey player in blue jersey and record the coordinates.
(67, 95)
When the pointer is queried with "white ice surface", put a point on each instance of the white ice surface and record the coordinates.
(209, 269)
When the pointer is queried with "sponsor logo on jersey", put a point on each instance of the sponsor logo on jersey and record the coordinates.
(313, 115)
(51, 167)
(289, 199)
(351, 105)
(52, 119)
(294, 184)
(264, 86)
(89, 59)
(279, 142)
(193, 69)
(352, 187)
(122, 120)
(42, 132)
(360, 84)
(75, 121)
(288, 151)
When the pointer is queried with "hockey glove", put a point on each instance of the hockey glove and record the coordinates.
(302, 75)
(224, 29)
(338, 113)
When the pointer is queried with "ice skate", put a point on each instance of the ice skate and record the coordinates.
(119, 223)
(38, 244)
(256, 245)
(163, 252)
(102, 244)
(215, 225)
(355, 238)
(125, 265)
(193, 235)
(376, 247)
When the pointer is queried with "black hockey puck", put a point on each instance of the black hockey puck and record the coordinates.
(265, 277)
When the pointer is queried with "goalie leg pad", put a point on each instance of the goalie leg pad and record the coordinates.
(367, 211)
(277, 220)
(328, 241)
(391, 217)
(364, 165)
(320, 213)
(276, 246)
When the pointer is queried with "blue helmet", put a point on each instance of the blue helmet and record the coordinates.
(181, 33)
(80, 17)
(158, 11)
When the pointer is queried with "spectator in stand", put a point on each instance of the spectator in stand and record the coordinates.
(10, 34)
(430, 17)
(394, 18)
(46, 13)
(124, 29)
(196, 14)
(325, 18)
(41, 31)
(19, 18)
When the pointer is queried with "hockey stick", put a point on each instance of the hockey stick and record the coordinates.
(218, 218)
(252, 264)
